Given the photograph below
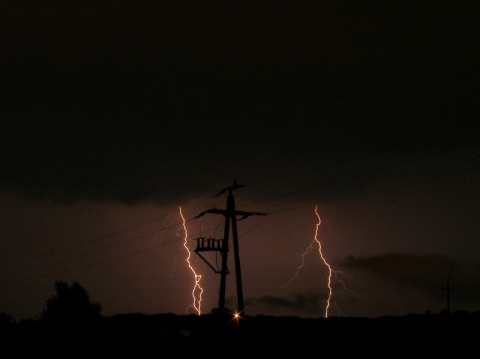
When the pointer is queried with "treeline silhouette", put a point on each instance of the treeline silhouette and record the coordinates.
(71, 320)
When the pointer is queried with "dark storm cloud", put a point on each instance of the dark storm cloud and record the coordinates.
(305, 304)
(406, 268)
(141, 100)
(425, 272)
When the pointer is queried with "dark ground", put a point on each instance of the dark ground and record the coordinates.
(213, 334)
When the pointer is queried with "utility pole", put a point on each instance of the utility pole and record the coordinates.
(222, 246)
(448, 289)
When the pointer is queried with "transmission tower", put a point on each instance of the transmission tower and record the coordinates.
(449, 288)
(222, 245)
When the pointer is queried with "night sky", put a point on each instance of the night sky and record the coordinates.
(117, 115)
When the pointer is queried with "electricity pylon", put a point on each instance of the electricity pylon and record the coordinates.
(222, 245)
(448, 289)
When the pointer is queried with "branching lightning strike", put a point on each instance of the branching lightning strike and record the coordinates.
(329, 267)
(197, 290)
(329, 283)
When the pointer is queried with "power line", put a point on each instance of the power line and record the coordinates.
(387, 188)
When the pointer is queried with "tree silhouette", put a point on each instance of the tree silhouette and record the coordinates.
(71, 307)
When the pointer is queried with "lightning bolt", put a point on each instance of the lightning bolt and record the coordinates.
(299, 268)
(331, 271)
(329, 283)
(197, 290)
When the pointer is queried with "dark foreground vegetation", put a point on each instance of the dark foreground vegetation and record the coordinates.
(71, 325)
(140, 333)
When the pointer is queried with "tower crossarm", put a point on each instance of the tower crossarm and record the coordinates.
(213, 210)
(230, 189)
(244, 214)
(248, 214)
